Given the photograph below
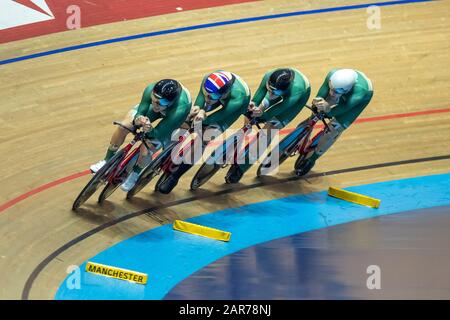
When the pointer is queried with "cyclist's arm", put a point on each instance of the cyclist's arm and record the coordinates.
(163, 131)
(357, 99)
(261, 91)
(200, 100)
(325, 88)
(235, 106)
(146, 100)
(290, 102)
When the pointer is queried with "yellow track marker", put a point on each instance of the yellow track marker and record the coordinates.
(117, 273)
(354, 197)
(203, 231)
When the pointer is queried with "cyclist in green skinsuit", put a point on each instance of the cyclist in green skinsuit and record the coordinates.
(344, 94)
(280, 97)
(222, 99)
(167, 100)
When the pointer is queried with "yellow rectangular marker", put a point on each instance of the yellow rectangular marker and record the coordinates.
(203, 231)
(354, 197)
(116, 273)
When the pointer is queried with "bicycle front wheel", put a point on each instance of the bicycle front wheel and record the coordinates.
(107, 191)
(99, 177)
(302, 165)
(151, 171)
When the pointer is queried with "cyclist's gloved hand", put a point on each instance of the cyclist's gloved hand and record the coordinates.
(194, 111)
(200, 116)
(255, 111)
(322, 105)
(251, 105)
(144, 122)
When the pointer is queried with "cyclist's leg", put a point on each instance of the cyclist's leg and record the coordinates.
(117, 139)
(264, 138)
(337, 127)
(144, 159)
(282, 120)
(197, 150)
(120, 133)
(325, 140)
(266, 135)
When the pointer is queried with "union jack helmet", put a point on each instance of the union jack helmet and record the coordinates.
(218, 84)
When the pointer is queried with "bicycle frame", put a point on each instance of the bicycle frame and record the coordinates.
(168, 164)
(226, 145)
(245, 129)
(305, 146)
(128, 156)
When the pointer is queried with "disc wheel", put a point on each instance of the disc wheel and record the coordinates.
(284, 153)
(203, 174)
(161, 180)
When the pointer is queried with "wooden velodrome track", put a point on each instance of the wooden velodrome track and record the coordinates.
(56, 115)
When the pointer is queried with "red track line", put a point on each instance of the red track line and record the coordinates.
(46, 186)
(386, 117)
(52, 184)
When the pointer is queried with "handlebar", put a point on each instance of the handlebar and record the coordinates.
(254, 120)
(322, 116)
(133, 130)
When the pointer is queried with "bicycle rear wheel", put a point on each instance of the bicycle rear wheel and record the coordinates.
(161, 180)
(203, 174)
(98, 178)
(267, 164)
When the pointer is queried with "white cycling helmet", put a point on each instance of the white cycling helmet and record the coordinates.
(343, 80)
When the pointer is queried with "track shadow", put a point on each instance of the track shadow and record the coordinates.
(155, 199)
(97, 213)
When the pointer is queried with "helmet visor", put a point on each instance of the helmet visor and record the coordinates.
(162, 102)
(211, 95)
(338, 90)
(274, 91)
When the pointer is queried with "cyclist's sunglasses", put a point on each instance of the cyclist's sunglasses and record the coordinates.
(275, 91)
(162, 102)
(338, 90)
(212, 96)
